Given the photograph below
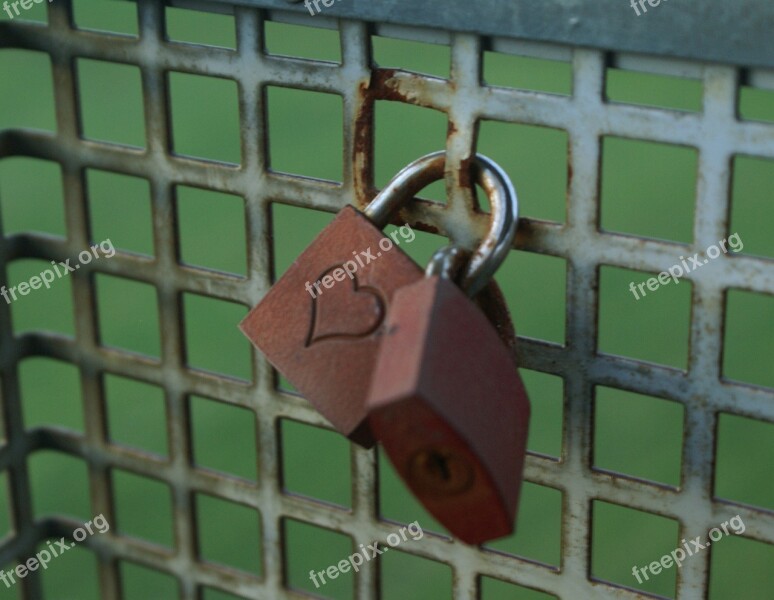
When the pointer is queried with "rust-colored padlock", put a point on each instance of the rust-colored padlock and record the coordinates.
(323, 338)
(446, 399)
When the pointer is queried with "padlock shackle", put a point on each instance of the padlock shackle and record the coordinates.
(447, 262)
(493, 249)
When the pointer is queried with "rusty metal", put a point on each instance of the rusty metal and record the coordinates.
(716, 132)
(448, 406)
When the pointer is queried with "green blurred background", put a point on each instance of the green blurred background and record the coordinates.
(648, 189)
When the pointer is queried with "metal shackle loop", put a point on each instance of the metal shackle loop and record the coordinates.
(493, 249)
(447, 262)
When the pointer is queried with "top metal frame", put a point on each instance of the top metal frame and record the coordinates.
(736, 32)
(586, 115)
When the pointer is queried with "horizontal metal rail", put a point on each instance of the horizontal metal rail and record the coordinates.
(737, 32)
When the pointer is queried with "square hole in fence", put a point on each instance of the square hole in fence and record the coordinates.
(752, 212)
(404, 575)
(403, 134)
(113, 18)
(14, 593)
(545, 428)
(213, 594)
(535, 158)
(212, 230)
(310, 549)
(7, 504)
(205, 117)
(653, 328)
(106, 90)
(228, 534)
(41, 298)
(627, 545)
(28, 11)
(756, 104)
(538, 534)
(233, 454)
(120, 211)
(648, 89)
(397, 503)
(51, 393)
(741, 568)
(136, 414)
(293, 229)
(141, 583)
(25, 10)
(128, 315)
(527, 73)
(538, 310)
(648, 189)
(745, 453)
(59, 485)
(30, 104)
(305, 133)
(638, 435)
(315, 462)
(300, 41)
(197, 27)
(494, 589)
(70, 574)
(212, 340)
(31, 196)
(419, 57)
(143, 508)
(749, 336)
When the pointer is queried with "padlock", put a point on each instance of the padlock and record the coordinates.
(446, 400)
(324, 340)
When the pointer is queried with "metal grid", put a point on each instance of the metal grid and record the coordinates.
(585, 116)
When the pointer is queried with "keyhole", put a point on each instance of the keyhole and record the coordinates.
(440, 471)
(438, 463)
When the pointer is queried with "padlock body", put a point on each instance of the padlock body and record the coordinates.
(324, 338)
(448, 405)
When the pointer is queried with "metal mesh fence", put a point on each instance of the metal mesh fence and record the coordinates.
(716, 132)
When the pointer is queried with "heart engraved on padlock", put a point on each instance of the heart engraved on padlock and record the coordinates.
(331, 363)
(314, 341)
(366, 322)
(446, 399)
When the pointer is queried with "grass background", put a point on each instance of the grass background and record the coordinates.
(647, 189)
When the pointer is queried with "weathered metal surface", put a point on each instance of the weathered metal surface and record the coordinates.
(448, 406)
(720, 31)
(716, 132)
